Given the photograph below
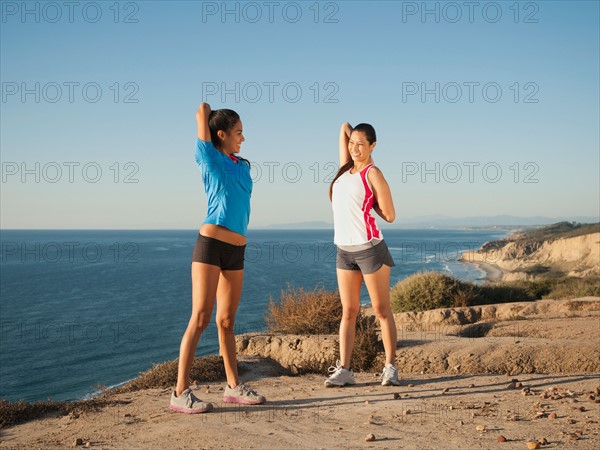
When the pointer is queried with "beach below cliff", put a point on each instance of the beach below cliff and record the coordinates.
(492, 272)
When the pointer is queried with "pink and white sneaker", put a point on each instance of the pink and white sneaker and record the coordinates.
(242, 394)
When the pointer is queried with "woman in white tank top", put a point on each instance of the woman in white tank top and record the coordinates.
(358, 188)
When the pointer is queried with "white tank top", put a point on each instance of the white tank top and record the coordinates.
(352, 201)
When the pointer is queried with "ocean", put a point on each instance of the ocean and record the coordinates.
(81, 309)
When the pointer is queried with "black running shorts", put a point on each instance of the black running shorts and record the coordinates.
(218, 253)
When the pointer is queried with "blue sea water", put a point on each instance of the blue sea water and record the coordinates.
(84, 308)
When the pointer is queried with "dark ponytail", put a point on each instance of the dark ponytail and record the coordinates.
(345, 168)
(221, 119)
(369, 132)
(225, 120)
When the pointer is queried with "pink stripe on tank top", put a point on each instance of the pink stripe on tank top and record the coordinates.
(370, 225)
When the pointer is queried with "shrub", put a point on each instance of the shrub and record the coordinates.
(305, 312)
(572, 287)
(501, 293)
(534, 289)
(163, 375)
(537, 269)
(430, 290)
(320, 312)
(366, 343)
(557, 288)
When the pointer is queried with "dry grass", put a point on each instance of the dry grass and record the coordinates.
(572, 287)
(164, 375)
(305, 312)
(14, 413)
(320, 312)
(556, 288)
(366, 344)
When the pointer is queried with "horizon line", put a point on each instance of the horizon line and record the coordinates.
(257, 229)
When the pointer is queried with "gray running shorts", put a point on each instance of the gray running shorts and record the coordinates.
(367, 261)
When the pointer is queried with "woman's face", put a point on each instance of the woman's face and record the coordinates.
(232, 139)
(359, 147)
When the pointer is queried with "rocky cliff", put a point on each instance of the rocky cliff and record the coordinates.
(525, 259)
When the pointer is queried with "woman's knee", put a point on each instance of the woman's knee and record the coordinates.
(350, 313)
(225, 323)
(382, 312)
(200, 320)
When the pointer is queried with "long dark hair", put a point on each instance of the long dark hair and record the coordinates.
(369, 132)
(225, 120)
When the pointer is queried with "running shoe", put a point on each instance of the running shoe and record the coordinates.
(390, 376)
(188, 403)
(242, 394)
(339, 376)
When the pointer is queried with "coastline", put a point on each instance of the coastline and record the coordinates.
(492, 273)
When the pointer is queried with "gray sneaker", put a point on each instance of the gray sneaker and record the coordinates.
(390, 376)
(188, 403)
(339, 376)
(242, 394)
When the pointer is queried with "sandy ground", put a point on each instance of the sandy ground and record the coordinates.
(436, 412)
(430, 410)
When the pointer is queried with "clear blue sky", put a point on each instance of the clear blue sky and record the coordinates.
(372, 58)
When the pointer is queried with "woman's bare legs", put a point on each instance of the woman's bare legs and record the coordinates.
(205, 278)
(349, 282)
(378, 285)
(228, 300)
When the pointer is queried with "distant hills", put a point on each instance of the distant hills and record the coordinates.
(488, 221)
(440, 221)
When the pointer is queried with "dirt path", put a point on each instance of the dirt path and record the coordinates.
(450, 412)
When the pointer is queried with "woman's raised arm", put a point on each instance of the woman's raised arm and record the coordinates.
(202, 120)
(345, 132)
